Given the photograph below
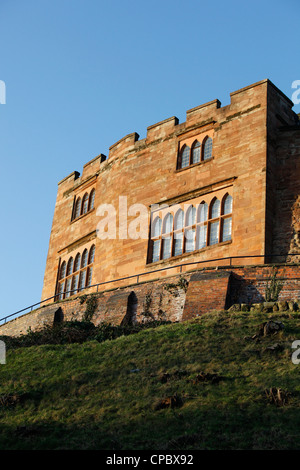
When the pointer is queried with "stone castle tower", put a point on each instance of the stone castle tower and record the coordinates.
(220, 190)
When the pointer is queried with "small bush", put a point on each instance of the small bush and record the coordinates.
(273, 289)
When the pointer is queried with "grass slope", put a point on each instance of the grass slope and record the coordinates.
(105, 395)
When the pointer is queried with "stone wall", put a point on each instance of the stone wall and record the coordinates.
(173, 298)
(145, 172)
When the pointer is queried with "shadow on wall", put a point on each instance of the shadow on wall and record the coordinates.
(243, 291)
(132, 304)
(58, 316)
(287, 226)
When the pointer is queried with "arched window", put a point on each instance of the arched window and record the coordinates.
(92, 200)
(63, 268)
(85, 203)
(178, 232)
(202, 212)
(166, 236)
(227, 205)
(92, 254)
(196, 152)
(179, 220)
(207, 148)
(214, 226)
(190, 216)
(215, 209)
(156, 239)
(202, 216)
(69, 267)
(75, 280)
(168, 224)
(76, 275)
(84, 258)
(185, 156)
(190, 229)
(198, 226)
(227, 218)
(77, 262)
(199, 152)
(77, 208)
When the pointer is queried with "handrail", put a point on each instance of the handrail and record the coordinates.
(230, 258)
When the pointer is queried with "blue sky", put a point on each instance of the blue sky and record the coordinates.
(81, 74)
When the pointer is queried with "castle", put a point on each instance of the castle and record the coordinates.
(213, 201)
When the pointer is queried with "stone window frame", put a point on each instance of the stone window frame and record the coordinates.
(71, 281)
(194, 226)
(203, 142)
(82, 205)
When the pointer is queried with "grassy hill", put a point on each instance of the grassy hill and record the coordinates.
(200, 384)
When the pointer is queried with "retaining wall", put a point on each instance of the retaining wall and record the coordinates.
(168, 298)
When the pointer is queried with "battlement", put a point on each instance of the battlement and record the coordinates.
(204, 115)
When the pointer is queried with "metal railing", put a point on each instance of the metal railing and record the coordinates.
(137, 276)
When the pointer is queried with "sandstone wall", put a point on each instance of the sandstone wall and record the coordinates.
(173, 298)
(145, 172)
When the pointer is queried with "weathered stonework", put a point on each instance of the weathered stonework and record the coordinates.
(255, 159)
(173, 298)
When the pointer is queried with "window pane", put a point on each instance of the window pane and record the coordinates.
(155, 251)
(77, 262)
(178, 243)
(84, 258)
(207, 153)
(190, 240)
(75, 283)
(166, 248)
(85, 203)
(61, 290)
(202, 212)
(191, 216)
(201, 236)
(92, 200)
(215, 210)
(214, 233)
(89, 278)
(228, 205)
(82, 279)
(156, 228)
(185, 156)
(179, 220)
(63, 270)
(227, 224)
(196, 152)
(68, 287)
(168, 224)
(92, 254)
(77, 208)
(70, 266)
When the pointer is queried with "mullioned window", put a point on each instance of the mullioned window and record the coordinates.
(198, 152)
(83, 205)
(75, 274)
(197, 227)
